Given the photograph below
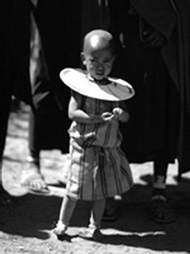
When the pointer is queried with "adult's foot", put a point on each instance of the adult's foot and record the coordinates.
(160, 210)
(33, 180)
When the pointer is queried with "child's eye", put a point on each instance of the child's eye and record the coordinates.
(107, 61)
(92, 60)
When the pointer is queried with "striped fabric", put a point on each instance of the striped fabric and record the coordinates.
(99, 168)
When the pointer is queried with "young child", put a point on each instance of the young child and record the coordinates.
(98, 167)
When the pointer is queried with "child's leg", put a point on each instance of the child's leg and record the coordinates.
(98, 207)
(93, 231)
(67, 208)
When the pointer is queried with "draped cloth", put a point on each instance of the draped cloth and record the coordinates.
(38, 68)
(15, 31)
(54, 44)
(171, 18)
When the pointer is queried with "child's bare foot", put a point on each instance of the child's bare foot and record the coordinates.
(91, 233)
(60, 229)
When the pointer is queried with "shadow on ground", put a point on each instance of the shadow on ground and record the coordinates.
(35, 216)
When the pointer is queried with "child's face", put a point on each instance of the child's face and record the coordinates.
(99, 63)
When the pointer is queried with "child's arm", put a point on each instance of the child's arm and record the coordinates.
(121, 113)
(75, 112)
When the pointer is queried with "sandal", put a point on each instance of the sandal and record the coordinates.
(34, 182)
(160, 210)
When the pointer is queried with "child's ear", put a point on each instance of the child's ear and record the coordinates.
(83, 58)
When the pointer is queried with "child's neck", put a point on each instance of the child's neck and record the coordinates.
(103, 81)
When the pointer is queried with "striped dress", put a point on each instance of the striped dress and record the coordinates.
(98, 166)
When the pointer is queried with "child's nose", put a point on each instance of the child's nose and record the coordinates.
(100, 66)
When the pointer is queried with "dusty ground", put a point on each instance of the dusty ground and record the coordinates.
(26, 226)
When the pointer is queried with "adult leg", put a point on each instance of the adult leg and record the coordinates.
(6, 81)
(160, 209)
(4, 114)
(160, 173)
(32, 178)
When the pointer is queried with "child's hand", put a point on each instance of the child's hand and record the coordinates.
(107, 116)
(154, 38)
(120, 114)
(117, 112)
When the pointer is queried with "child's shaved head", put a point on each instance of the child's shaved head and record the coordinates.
(98, 40)
(98, 54)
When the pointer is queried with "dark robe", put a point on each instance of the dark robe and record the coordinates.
(159, 112)
(14, 59)
(58, 23)
(15, 34)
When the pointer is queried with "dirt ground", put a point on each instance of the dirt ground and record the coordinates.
(26, 226)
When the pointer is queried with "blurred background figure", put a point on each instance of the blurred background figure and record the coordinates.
(153, 40)
(14, 65)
